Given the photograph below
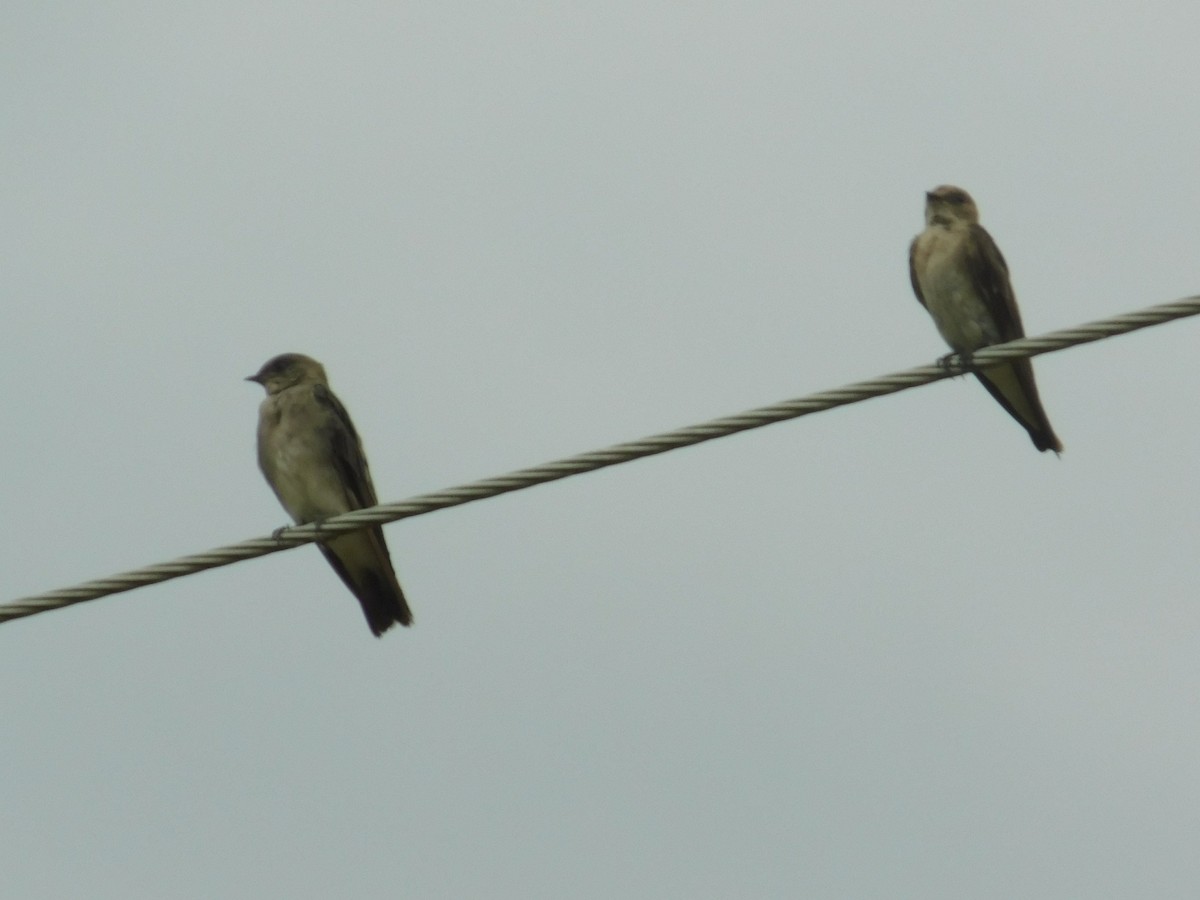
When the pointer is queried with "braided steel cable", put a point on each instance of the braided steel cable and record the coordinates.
(598, 459)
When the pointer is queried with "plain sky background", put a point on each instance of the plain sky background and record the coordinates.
(887, 651)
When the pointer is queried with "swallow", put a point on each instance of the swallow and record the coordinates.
(961, 278)
(313, 460)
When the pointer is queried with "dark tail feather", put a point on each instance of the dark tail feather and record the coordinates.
(1013, 387)
(362, 561)
(383, 602)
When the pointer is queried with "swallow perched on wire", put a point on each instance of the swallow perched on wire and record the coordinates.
(960, 277)
(313, 460)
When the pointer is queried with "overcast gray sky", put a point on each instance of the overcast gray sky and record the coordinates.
(888, 651)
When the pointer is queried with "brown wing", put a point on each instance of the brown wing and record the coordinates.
(989, 272)
(912, 272)
(360, 559)
(345, 449)
(1011, 384)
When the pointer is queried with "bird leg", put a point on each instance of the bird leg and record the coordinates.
(958, 364)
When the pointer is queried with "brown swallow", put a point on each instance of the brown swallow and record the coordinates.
(960, 277)
(313, 460)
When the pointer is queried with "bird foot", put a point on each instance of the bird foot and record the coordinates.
(317, 524)
(956, 364)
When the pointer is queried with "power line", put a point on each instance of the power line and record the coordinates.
(596, 459)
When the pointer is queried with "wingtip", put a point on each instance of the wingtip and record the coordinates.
(380, 627)
(1046, 442)
(380, 619)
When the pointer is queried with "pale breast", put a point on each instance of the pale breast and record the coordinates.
(961, 316)
(296, 458)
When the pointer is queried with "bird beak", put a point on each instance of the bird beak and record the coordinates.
(253, 378)
(929, 196)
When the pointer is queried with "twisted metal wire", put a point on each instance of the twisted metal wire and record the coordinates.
(598, 459)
